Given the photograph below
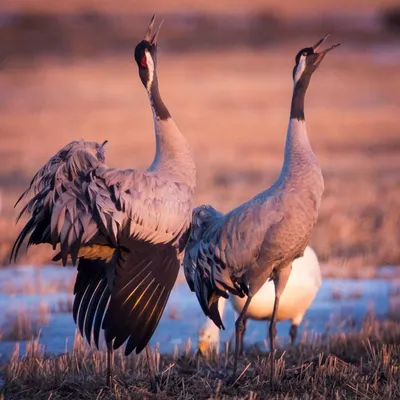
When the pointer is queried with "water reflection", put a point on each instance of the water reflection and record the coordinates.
(341, 304)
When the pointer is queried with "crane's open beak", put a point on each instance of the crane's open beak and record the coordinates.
(152, 37)
(322, 53)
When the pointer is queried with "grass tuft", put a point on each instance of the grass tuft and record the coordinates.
(24, 324)
(363, 364)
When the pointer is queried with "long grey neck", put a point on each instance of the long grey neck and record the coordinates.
(173, 155)
(298, 152)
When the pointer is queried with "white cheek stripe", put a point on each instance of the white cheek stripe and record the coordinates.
(150, 67)
(300, 68)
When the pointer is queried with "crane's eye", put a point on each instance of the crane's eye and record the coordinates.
(143, 62)
(304, 54)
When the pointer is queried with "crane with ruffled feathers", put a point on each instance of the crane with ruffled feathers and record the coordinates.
(125, 228)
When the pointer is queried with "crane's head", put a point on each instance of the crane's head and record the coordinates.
(146, 54)
(308, 59)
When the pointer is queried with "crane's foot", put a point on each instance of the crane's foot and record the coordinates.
(109, 381)
(154, 378)
(231, 381)
(155, 384)
(236, 376)
(293, 334)
(110, 365)
(272, 382)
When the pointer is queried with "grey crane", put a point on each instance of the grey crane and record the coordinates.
(237, 252)
(127, 229)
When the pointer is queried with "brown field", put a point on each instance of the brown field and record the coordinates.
(67, 72)
(233, 107)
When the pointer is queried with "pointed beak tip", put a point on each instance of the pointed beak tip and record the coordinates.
(150, 28)
(318, 44)
(331, 48)
(154, 38)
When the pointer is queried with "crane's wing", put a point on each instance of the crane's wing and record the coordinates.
(78, 202)
(204, 259)
(127, 303)
(51, 182)
(135, 221)
(203, 218)
(221, 250)
(92, 296)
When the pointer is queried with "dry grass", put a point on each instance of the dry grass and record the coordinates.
(19, 327)
(24, 324)
(339, 269)
(362, 365)
(337, 294)
(63, 305)
(37, 285)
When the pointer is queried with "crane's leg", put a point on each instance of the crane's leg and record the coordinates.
(110, 364)
(239, 335)
(152, 369)
(280, 278)
(293, 333)
(241, 348)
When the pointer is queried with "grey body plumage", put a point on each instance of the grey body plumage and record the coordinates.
(237, 252)
(126, 228)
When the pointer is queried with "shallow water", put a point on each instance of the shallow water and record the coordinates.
(183, 316)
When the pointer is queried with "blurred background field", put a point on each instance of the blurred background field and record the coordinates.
(67, 72)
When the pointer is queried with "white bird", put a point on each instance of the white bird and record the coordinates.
(128, 228)
(239, 251)
(302, 287)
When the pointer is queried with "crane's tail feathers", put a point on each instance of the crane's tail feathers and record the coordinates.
(144, 277)
(91, 297)
(223, 283)
(205, 271)
(208, 297)
(215, 315)
(202, 288)
(202, 218)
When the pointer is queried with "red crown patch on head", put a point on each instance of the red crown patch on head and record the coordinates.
(143, 62)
